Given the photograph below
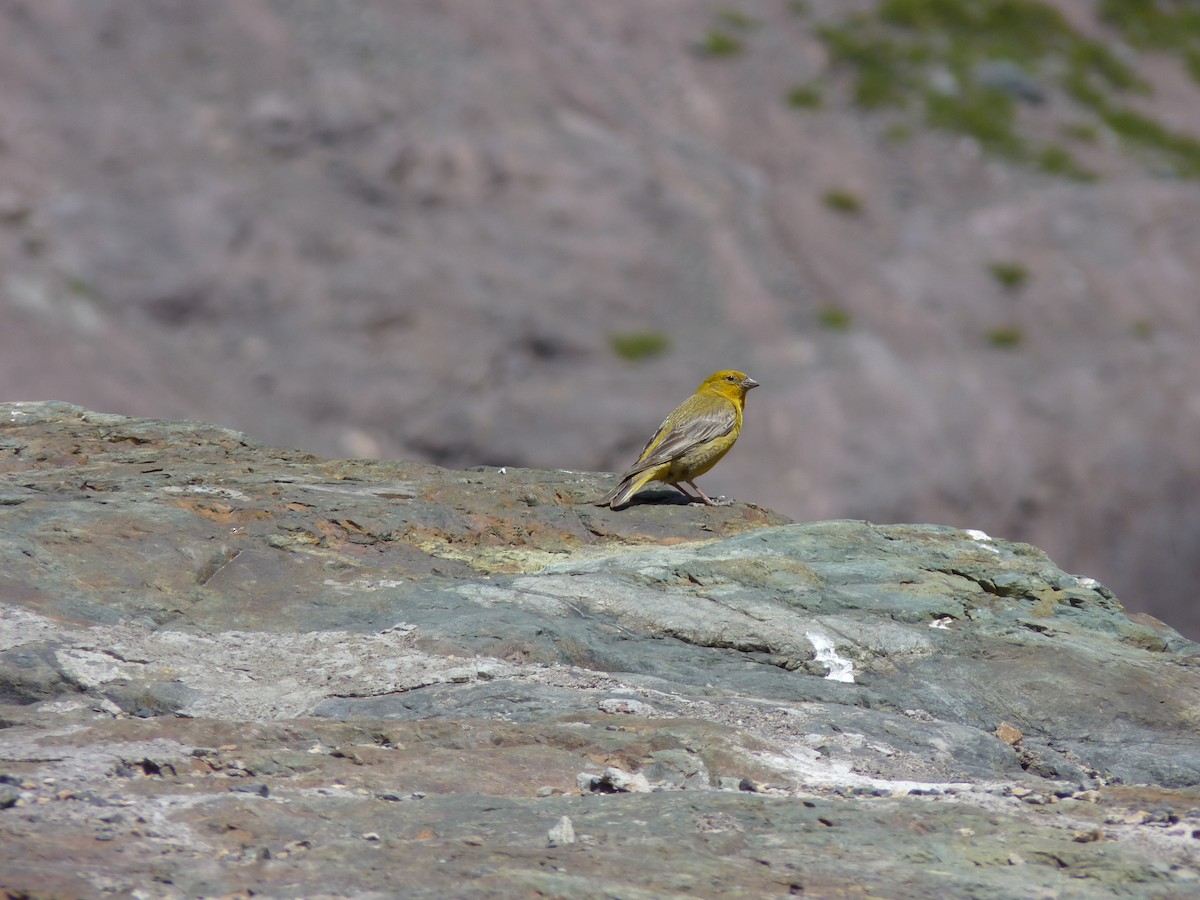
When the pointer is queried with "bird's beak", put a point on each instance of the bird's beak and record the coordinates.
(748, 383)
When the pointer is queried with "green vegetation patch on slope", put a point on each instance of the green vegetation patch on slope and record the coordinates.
(966, 66)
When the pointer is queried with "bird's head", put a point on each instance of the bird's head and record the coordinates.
(729, 383)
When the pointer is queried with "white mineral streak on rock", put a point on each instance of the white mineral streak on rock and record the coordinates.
(840, 669)
(562, 833)
(983, 538)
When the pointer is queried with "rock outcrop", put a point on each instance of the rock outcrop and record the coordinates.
(226, 668)
(519, 233)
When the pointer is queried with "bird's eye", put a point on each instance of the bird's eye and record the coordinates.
(730, 378)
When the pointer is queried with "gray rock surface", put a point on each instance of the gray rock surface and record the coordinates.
(225, 667)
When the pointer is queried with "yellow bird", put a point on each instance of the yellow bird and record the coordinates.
(691, 440)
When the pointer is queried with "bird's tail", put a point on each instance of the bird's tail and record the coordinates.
(628, 486)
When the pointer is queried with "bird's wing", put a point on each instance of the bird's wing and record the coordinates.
(684, 430)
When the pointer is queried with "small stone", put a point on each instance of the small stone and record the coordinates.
(1010, 734)
(1163, 815)
(625, 782)
(106, 707)
(1088, 796)
(613, 781)
(625, 706)
(1087, 837)
(563, 832)
(370, 836)
(260, 790)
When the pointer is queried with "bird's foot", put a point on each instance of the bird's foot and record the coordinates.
(719, 501)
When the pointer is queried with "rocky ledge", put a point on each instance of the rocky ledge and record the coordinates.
(228, 668)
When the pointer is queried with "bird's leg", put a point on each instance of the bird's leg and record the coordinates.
(679, 488)
(720, 501)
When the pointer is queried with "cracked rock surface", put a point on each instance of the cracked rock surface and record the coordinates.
(225, 667)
